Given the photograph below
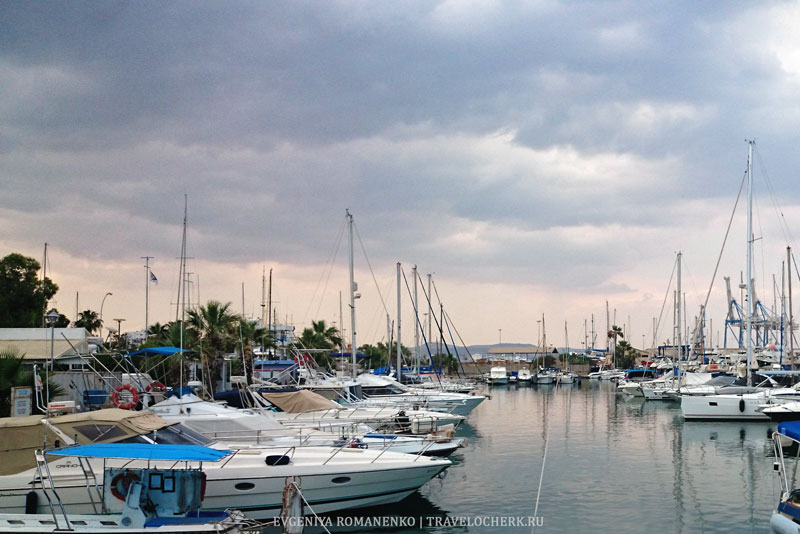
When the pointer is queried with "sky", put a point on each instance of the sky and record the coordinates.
(539, 158)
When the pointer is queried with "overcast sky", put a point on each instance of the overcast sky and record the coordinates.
(537, 157)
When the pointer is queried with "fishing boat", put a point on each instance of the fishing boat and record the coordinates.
(163, 494)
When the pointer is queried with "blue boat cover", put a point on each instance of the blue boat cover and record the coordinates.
(790, 429)
(359, 355)
(143, 451)
(158, 351)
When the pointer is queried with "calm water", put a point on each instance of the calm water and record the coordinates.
(612, 465)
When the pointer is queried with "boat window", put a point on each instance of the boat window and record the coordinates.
(98, 432)
(382, 390)
(244, 486)
(177, 434)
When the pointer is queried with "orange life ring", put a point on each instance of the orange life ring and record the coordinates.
(121, 483)
(125, 405)
(155, 387)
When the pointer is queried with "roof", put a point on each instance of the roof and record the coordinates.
(159, 351)
(35, 343)
(143, 451)
(519, 349)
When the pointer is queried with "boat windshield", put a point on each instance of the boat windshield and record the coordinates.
(177, 434)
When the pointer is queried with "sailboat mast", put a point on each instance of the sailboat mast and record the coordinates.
(678, 306)
(352, 297)
(416, 320)
(791, 319)
(399, 350)
(749, 259)
(182, 290)
(146, 294)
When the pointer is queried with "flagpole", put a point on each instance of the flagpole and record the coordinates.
(146, 295)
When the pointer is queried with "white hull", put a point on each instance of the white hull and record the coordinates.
(722, 407)
(245, 482)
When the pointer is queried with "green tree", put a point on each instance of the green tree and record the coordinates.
(90, 321)
(14, 374)
(23, 296)
(376, 355)
(626, 355)
(216, 330)
(319, 336)
(614, 333)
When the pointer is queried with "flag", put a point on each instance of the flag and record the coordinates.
(153, 278)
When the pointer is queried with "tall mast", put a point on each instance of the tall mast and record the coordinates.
(749, 259)
(182, 290)
(416, 320)
(791, 319)
(430, 309)
(353, 288)
(263, 297)
(678, 307)
(399, 349)
(146, 294)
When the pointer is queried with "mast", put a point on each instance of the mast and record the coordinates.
(353, 288)
(399, 350)
(430, 309)
(416, 321)
(44, 275)
(791, 319)
(678, 307)
(146, 294)
(749, 259)
(182, 285)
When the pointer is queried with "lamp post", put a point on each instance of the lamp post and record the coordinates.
(102, 302)
(51, 319)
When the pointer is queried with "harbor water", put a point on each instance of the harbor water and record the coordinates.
(611, 464)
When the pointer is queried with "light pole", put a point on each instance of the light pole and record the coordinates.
(101, 305)
(51, 319)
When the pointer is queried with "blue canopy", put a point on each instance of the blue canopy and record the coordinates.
(790, 429)
(158, 351)
(143, 451)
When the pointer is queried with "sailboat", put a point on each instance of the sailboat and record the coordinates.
(566, 377)
(742, 406)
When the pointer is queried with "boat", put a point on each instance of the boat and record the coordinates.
(524, 377)
(630, 384)
(251, 479)
(248, 427)
(548, 375)
(163, 495)
(786, 517)
(382, 390)
(498, 376)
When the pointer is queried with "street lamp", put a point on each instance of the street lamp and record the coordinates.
(51, 319)
(102, 303)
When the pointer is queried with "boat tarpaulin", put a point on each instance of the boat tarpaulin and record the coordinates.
(790, 429)
(299, 401)
(159, 351)
(144, 451)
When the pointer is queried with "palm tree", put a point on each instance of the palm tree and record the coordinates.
(90, 321)
(216, 330)
(13, 374)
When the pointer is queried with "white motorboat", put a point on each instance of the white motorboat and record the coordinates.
(743, 407)
(546, 376)
(150, 500)
(524, 376)
(250, 479)
(250, 427)
(380, 390)
(498, 376)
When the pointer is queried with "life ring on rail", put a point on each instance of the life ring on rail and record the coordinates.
(119, 403)
(155, 387)
(121, 483)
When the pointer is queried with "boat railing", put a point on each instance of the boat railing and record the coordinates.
(42, 468)
(780, 466)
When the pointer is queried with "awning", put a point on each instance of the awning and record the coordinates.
(143, 451)
(299, 401)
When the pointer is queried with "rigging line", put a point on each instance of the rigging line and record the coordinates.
(416, 316)
(439, 327)
(328, 264)
(722, 248)
(370, 268)
(775, 203)
(450, 322)
(663, 304)
(455, 347)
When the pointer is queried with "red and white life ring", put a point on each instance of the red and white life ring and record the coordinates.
(155, 387)
(121, 483)
(120, 403)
